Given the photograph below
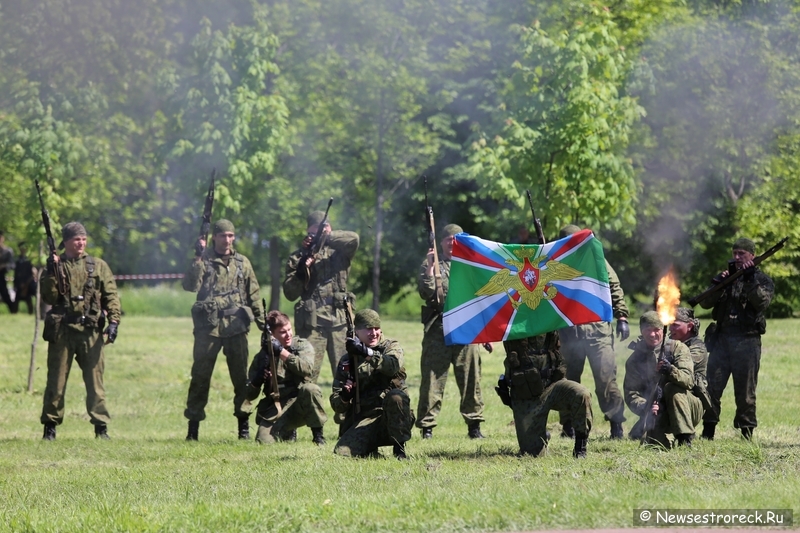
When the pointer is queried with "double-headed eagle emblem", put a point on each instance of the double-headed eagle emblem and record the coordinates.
(532, 283)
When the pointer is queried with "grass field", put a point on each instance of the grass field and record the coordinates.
(147, 478)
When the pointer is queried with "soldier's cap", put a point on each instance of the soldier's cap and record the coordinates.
(367, 318)
(686, 314)
(744, 244)
(223, 226)
(568, 230)
(314, 218)
(450, 230)
(70, 231)
(650, 319)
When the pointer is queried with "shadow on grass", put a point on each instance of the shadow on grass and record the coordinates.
(480, 453)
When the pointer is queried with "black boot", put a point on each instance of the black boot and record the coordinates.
(474, 431)
(427, 433)
(49, 431)
(567, 431)
(581, 440)
(317, 437)
(399, 451)
(708, 431)
(101, 432)
(194, 430)
(291, 436)
(244, 428)
(616, 431)
(747, 433)
(685, 439)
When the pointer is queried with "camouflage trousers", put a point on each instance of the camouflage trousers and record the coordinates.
(738, 356)
(577, 348)
(85, 347)
(530, 416)
(384, 426)
(680, 413)
(206, 349)
(325, 338)
(435, 364)
(305, 409)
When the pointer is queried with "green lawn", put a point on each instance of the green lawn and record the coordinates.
(147, 478)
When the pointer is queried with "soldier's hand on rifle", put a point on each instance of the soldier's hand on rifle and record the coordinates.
(654, 409)
(347, 391)
(52, 261)
(277, 347)
(356, 347)
(111, 332)
(664, 367)
(488, 347)
(308, 239)
(623, 329)
(199, 247)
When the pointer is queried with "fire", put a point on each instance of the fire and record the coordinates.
(669, 297)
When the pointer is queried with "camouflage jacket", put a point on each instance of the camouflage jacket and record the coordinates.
(642, 378)
(297, 369)
(532, 365)
(91, 291)
(382, 373)
(322, 300)
(227, 294)
(426, 286)
(597, 330)
(739, 308)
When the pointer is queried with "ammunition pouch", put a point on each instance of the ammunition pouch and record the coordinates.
(526, 385)
(305, 315)
(205, 314)
(428, 315)
(235, 321)
(52, 326)
(503, 391)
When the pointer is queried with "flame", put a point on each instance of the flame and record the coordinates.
(669, 297)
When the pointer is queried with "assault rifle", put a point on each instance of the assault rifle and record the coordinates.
(431, 227)
(205, 226)
(657, 396)
(272, 368)
(317, 242)
(728, 280)
(351, 333)
(61, 280)
(536, 222)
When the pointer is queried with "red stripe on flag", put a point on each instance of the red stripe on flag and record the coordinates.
(497, 326)
(575, 311)
(463, 251)
(575, 240)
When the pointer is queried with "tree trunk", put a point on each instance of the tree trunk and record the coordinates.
(32, 366)
(275, 274)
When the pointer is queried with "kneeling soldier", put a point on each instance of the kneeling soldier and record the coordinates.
(300, 398)
(534, 385)
(370, 397)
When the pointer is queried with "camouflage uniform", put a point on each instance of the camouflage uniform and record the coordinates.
(319, 316)
(680, 409)
(437, 357)
(385, 418)
(735, 346)
(6, 264)
(227, 301)
(595, 342)
(535, 374)
(301, 400)
(73, 328)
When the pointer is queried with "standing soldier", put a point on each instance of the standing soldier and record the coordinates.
(320, 281)
(595, 342)
(371, 400)
(24, 280)
(300, 399)
(74, 328)
(227, 302)
(437, 356)
(735, 342)
(6, 264)
(533, 385)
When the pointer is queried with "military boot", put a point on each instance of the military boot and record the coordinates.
(474, 431)
(685, 439)
(244, 428)
(427, 433)
(581, 440)
(616, 430)
(194, 430)
(567, 431)
(317, 436)
(708, 431)
(399, 451)
(49, 431)
(747, 433)
(101, 432)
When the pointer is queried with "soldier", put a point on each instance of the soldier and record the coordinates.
(6, 264)
(320, 281)
(227, 302)
(659, 390)
(595, 342)
(686, 328)
(24, 280)
(374, 409)
(300, 399)
(437, 357)
(734, 342)
(533, 385)
(74, 326)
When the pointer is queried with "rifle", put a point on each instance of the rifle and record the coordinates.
(727, 281)
(437, 272)
(351, 333)
(61, 280)
(317, 241)
(266, 345)
(205, 226)
(536, 222)
(656, 396)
